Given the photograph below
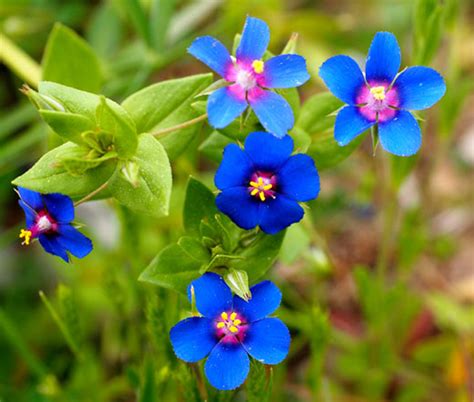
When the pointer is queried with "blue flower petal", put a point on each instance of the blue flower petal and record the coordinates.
(212, 295)
(212, 53)
(30, 213)
(254, 40)
(31, 198)
(223, 106)
(60, 207)
(266, 298)
(419, 88)
(298, 178)
(285, 71)
(267, 152)
(267, 340)
(272, 110)
(51, 245)
(383, 60)
(402, 135)
(193, 338)
(279, 213)
(343, 77)
(240, 206)
(349, 124)
(235, 169)
(73, 241)
(227, 366)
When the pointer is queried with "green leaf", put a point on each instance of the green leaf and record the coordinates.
(199, 205)
(317, 120)
(259, 255)
(70, 126)
(112, 118)
(69, 60)
(85, 112)
(83, 160)
(48, 175)
(177, 265)
(166, 104)
(152, 195)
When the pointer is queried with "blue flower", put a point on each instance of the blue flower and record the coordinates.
(249, 74)
(48, 218)
(382, 97)
(262, 184)
(230, 329)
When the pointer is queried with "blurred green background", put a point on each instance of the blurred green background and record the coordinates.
(95, 333)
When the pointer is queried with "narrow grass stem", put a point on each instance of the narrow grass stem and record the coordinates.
(19, 62)
(165, 131)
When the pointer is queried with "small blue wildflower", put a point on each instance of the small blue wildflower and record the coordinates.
(249, 75)
(262, 184)
(382, 97)
(48, 218)
(230, 329)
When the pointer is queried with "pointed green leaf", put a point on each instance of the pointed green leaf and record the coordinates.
(152, 194)
(48, 175)
(199, 205)
(68, 59)
(167, 104)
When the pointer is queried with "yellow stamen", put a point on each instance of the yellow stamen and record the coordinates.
(26, 234)
(254, 191)
(224, 316)
(233, 316)
(378, 92)
(262, 195)
(233, 329)
(220, 325)
(258, 66)
(237, 322)
(267, 187)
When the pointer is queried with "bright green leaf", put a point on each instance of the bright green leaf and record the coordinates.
(152, 195)
(48, 175)
(68, 59)
(166, 104)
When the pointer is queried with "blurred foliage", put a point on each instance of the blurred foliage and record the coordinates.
(95, 333)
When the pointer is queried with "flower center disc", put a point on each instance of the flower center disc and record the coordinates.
(262, 186)
(229, 324)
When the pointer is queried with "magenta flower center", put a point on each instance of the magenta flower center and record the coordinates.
(378, 101)
(43, 224)
(230, 327)
(262, 185)
(245, 75)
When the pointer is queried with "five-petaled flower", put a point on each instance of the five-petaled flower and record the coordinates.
(382, 97)
(262, 184)
(230, 329)
(49, 218)
(249, 75)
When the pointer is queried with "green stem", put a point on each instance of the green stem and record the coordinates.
(19, 62)
(388, 212)
(62, 326)
(92, 194)
(163, 132)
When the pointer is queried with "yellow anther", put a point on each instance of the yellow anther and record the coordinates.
(224, 316)
(378, 92)
(262, 196)
(254, 191)
(233, 316)
(258, 66)
(237, 322)
(26, 234)
(233, 329)
(220, 325)
(267, 187)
